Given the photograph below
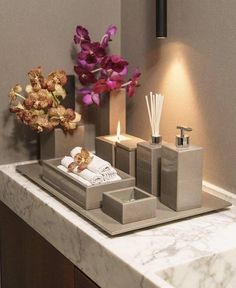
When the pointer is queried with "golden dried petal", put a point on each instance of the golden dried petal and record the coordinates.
(18, 88)
(50, 85)
(77, 118)
(28, 88)
(84, 153)
(60, 91)
(12, 95)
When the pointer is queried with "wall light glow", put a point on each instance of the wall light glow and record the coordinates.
(181, 101)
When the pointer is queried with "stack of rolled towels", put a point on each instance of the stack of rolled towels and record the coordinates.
(98, 171)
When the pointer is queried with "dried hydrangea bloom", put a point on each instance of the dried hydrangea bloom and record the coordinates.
(67, 126)
(30, 100)
(58, 77)
(41, 109)
(25, 116)
(36, 79)
(71, 124)
(39, 122)
(67, 117)
(57, 112)
(54, 122)
(16, 108)
(69, 114)
(38, 100)
(45, 98)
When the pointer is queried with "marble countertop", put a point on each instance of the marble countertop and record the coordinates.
(198, 252)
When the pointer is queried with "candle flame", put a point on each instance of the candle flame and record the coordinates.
(118, 131)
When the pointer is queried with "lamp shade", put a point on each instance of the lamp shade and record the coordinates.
(161, 18)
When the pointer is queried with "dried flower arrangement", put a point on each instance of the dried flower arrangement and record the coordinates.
(98, 71)
(39, 106)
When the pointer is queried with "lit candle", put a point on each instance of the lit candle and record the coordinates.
(118, 137)
(105, 145)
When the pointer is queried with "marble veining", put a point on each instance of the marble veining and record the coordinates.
(174, 255)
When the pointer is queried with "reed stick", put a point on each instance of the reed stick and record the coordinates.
(154, 106)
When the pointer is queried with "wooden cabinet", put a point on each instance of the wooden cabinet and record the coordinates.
(82, 281)
(28, 261)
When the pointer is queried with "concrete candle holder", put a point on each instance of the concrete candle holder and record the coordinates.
(125, 155)
(105, 146)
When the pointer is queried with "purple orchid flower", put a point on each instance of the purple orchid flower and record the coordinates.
(114, 62)
(122, 73)
(111, 80)
(81, 36)
(114, 84)
(111, 31)
(99, 72)
(85, 76)
(101, 86)
(133, 82)
(89, 96)
(85, 65)
(91, 52)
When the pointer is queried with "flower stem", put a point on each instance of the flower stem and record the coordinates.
(56, 101)
(96, 70)
(20, 96)
(126, 84)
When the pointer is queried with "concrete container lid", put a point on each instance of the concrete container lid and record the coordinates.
(129, 145)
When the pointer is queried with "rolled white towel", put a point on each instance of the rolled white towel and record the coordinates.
(98, 165)
(93, 178)
(75, 176)
(68, 161)
(115, 178)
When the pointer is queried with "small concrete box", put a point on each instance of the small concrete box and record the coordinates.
(129, 205)
(181, 177)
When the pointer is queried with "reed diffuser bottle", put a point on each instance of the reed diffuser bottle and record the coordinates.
(149, 153)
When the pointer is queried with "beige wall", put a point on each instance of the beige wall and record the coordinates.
(195, 68)
(40, 33)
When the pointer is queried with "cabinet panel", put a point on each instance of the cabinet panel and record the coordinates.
(82, 281)
(27, 259)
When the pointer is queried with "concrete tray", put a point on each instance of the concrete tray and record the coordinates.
(111, 226)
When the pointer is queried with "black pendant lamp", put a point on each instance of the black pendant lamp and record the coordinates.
(161, 19)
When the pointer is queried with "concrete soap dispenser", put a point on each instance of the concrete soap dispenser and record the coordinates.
(181, 173)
